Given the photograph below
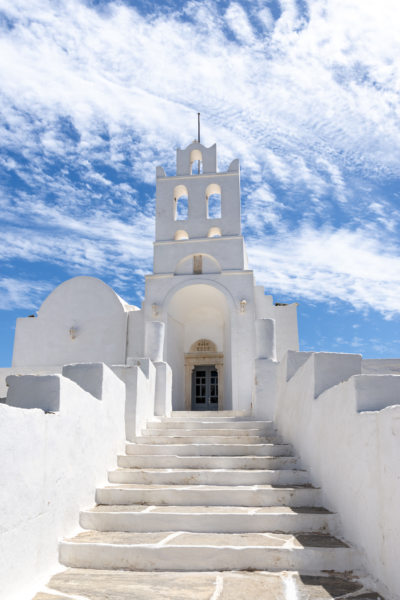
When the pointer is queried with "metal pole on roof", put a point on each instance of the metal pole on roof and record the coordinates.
(198, 139)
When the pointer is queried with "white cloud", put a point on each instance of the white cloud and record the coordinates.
(304, 101)
(321, 265)
(126, 71)
(19, 293)
(239, 23)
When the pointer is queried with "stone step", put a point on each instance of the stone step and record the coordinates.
(203, 449)
(209, 476)
(195, 425)
(184, 551)
(209, 495)
(207, 432)
(207, 519)
(213, 414)
(199, 439)
(96, 584)
(207, 462)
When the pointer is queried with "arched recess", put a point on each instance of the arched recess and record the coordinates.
(213, 201)
(181, 203)
(196, 162)
(181, 234)
(186, 266)
(214, 232)
(197, 312)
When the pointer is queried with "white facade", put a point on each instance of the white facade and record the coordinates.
(201, 289)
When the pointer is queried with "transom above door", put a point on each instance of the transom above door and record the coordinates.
(204, 387)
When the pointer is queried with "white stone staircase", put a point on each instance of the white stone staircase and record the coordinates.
(208, 491)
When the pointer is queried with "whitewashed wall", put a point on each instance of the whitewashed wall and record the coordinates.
(82, 320)
(140, 380)
(51, 464)
(346, 429)
(28, 370)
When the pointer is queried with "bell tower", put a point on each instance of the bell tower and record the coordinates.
(198, 213)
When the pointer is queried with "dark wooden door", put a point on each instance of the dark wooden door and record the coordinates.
(205, 387)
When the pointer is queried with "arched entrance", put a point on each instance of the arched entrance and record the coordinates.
(204, 376)
(198, 334)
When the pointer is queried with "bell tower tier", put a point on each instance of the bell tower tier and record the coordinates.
(198, 213)
(217, 324)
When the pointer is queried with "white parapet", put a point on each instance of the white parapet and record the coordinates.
(346, 427)
(163, 395)
(53, 458)
(140, 379)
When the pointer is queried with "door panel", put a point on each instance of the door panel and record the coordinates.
(205, 388)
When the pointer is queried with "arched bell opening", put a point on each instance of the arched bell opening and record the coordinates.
(196, 162)
(181, 203)
(213, 201)
(181, 234)
(214, 232)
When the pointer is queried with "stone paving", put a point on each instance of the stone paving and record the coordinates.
(87, 584)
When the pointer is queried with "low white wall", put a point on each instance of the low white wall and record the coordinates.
(6, 371)
(140, 380)
(381, 365)
(265, 388)
(351, 453)
(51, 464)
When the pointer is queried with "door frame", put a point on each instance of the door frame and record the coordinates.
(207, 371)
(198, 359)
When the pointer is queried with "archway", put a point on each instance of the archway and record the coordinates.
(198, 312)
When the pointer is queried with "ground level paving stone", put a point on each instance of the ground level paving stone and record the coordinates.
(90, 584)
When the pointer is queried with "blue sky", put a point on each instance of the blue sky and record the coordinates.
(94, 95)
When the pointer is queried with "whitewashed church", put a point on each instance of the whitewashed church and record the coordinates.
(189, 445)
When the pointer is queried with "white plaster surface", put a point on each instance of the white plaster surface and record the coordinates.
(265, 338)
(140, 380)
(353, 456)
(29, 370)
(163, 391)
(154, 341)
(265, 393)
(82, 320)
(374, 392)
(36, 391)
(381, 365)
(331, 368)
(51, 464)
(227, 252)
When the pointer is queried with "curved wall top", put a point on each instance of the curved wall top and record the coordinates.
(82, 320)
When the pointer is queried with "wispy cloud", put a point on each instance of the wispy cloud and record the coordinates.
(93, 97)
(321, 265)
(18, 293)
